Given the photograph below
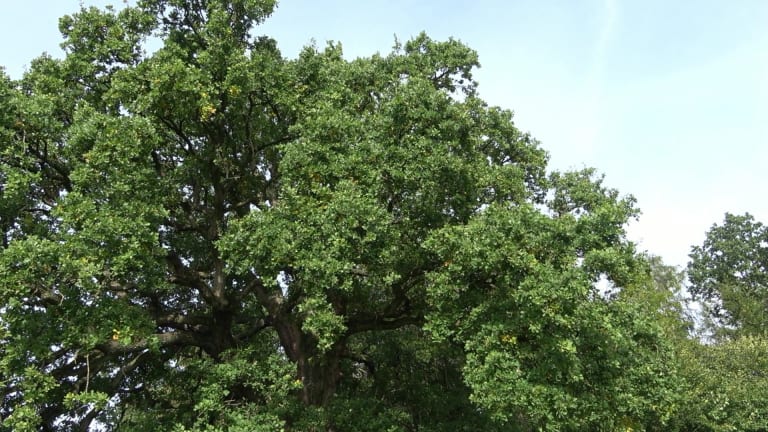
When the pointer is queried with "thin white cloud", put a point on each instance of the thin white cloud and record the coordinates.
(591, 121)
(610, 17)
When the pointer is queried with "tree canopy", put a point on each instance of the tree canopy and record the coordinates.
(729, 272)
(213, 237)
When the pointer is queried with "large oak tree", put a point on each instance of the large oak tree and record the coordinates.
(213, 237)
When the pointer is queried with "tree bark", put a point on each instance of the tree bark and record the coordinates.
(320, 374)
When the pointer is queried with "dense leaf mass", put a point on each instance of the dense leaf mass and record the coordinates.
(214, 237)
(729, 272)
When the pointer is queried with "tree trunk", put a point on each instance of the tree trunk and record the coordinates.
(320, 374)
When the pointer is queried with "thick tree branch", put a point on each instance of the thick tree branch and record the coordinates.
(252, 330)
(184, 276)
(181, 321)
(372, 322)
(60, 169)
(273, 301)
(163, 339)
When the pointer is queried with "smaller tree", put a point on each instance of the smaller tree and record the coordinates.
(661, 292)
(729, 273)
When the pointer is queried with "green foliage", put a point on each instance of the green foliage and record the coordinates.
(212, 237)
(726, 386)
(661, 292)
(728, 272)
(542, 348)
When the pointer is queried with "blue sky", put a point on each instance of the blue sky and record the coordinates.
(668, 98)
